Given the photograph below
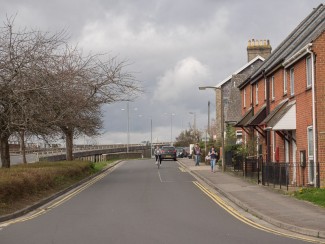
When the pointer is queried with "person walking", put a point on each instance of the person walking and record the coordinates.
(157, 153)
(213, 158)
(197, 153)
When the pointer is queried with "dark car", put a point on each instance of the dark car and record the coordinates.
(168, 152)
(181, 152)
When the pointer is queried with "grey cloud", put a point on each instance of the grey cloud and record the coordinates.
(156, 37)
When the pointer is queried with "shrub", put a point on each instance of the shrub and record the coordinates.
(21, 181)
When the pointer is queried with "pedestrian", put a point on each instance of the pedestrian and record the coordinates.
(213, 158)
(157, 153)
(197, 153)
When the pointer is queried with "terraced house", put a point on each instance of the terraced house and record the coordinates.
(283, 105)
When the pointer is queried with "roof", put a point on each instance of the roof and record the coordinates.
(274, 112)
(284, 118)
(243, 121)
(258, 57)
(258, 117)
(306, 32)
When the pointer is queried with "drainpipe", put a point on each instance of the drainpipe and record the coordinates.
(268, 132)
(314, 114)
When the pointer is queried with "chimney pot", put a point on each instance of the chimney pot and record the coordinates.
(258, 48)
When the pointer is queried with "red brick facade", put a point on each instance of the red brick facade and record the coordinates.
(319, 50)
(287, 146)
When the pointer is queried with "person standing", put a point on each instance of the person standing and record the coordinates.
(197, 152)
(157, 153)
(213, 158)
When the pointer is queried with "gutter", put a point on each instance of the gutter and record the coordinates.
(308, 49)
(298, 55)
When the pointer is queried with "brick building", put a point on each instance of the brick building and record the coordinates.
(228, 99)
(283, 103)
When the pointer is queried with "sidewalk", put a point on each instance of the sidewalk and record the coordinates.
(280, 210)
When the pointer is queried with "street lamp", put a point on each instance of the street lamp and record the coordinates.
(221, 115)
(128, 125)
(151, 137)
(194, 120)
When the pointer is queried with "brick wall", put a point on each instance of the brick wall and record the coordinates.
(319, 50)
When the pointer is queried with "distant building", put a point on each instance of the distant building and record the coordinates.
(228, 99)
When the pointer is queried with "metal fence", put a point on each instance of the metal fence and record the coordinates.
(278, 174)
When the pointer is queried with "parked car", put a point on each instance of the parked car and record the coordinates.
(168, 152)
(180, 152)
(187, 152)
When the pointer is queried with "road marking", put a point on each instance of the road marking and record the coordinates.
(182, 169)
(247, 221)
(58, 201)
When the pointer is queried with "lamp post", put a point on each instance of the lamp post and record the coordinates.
(128, 125)
(151, 137)
(221, 112)
(194, 124)
(194, 120)
(171, 128)
(209, 132)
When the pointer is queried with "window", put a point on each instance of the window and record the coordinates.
(292, 81)
(239, 137)
(285, 89)
(308, 71)
(256, 94)
(244, 97)
(272, 88)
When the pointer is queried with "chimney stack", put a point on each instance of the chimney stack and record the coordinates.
(258, 47)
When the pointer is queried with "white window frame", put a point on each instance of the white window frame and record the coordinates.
(256, 93)
(272, 89)
(308, 71)
(273, 146)
(285, 87)
(292, 81)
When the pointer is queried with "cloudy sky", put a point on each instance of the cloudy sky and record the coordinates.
(173, 47)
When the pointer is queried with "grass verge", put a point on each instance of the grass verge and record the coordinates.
(314, 195)
(24, 185)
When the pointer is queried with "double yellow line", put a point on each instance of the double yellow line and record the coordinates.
(57, 202)
(247, 221)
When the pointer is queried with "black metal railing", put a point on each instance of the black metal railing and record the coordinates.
(278, 174)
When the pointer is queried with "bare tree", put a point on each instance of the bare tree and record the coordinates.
(47, 87)
(21, 56)
(84, 84)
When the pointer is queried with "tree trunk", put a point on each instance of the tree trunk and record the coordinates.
(4, 150)
(69, 144)
(22, 146)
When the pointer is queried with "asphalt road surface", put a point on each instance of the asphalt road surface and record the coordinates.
(136, 203)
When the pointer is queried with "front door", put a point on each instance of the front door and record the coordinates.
(311, 164)
(294, 158)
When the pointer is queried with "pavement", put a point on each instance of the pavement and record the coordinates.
(278, 209)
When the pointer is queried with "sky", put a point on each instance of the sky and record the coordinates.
(172, 47)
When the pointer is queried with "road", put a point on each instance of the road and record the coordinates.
(136, 203)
